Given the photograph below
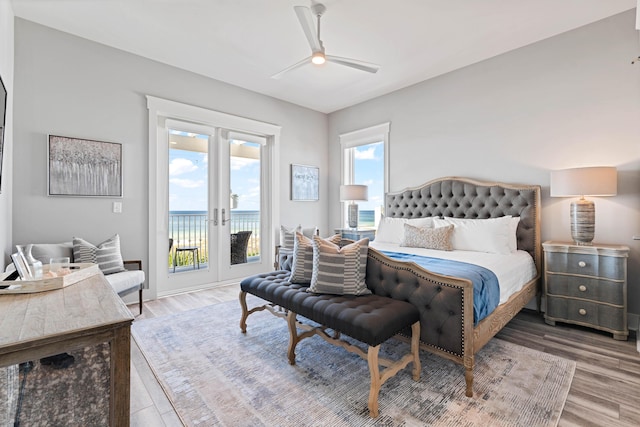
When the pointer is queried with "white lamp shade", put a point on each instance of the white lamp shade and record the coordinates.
(592, 181)
(354, 193)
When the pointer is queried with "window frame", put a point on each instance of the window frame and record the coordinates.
(357, 138)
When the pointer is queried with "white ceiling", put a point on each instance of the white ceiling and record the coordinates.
(244, 42)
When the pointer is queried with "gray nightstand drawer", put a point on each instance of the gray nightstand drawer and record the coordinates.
(597, 290)
(588, 265)
(586, 313)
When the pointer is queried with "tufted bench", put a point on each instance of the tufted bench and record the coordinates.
(370, 319)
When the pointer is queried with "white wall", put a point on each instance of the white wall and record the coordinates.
(6, 72)
(569, 101)
(70, 86)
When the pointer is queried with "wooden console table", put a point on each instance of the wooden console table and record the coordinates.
(33, 326)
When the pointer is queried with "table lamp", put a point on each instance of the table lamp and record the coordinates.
(591, 181)
(352, 193)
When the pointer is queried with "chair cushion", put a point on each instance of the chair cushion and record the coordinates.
(126, 282)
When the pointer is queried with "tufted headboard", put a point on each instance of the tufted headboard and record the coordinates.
(465, 198)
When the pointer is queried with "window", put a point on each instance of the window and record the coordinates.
(365, 161)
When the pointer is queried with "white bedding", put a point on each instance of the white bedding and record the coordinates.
(513, 270)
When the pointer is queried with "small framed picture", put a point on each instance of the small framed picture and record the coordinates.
(304, 183)
(21, 265)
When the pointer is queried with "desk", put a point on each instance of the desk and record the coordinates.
(33, 326)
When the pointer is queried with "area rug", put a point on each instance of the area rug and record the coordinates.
(216, 376)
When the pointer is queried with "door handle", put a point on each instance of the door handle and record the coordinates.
(215, 216)
(224, 220)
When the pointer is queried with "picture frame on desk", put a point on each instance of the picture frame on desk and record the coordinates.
(20, 262)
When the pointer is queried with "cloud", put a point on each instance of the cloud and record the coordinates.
(241, 162)
(368, 154)
(181, 166)
(187, 183)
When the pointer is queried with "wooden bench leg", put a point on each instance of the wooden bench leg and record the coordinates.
(376, 382)
(245, 312)
(415, 350)
(293, 337)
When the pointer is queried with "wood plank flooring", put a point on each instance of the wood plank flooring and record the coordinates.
(605, 389)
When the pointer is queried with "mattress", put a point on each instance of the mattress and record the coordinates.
(513, 270)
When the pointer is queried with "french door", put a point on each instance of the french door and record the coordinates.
(214, 205)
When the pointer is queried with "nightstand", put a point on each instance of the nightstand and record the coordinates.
(587, 285)
(357, 234)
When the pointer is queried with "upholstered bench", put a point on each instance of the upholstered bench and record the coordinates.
(370, 319)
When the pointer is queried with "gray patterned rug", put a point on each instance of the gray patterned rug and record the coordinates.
(216, 376)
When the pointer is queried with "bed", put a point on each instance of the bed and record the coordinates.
(445, 302)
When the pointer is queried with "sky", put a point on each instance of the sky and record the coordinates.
(188, 178)
(188, 181)
(369, 170)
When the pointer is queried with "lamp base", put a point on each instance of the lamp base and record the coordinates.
(353, 216)
(583, 222)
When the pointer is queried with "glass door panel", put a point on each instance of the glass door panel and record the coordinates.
(245, 201)
(188, 200)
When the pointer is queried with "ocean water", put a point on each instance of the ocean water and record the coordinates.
(193, 224)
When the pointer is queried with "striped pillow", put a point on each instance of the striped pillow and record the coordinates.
(302, 265)
(287, 236)
(106, 254)
(339, 271)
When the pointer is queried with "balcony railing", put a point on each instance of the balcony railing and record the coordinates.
(191, 230)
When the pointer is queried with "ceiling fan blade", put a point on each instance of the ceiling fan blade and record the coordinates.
(306, 60)
(309, 27)
(354, 63)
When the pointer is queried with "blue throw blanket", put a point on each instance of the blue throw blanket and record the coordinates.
(486, 290)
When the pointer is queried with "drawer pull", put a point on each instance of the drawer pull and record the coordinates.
(582, 311)
(582, 288)
(582, 264)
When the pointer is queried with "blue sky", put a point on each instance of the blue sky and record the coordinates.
(188, 178)
(188, 181)
(369, 170)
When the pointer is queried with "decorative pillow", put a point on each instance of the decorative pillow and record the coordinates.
(287, 236)
(429, 238)
(513, 238)
(302, 264)
(480, 235)
(339, 271)
(106, 254)
(391, 230)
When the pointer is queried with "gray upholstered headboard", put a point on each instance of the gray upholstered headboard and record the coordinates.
(465, 198)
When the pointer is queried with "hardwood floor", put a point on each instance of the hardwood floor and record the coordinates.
(605, 389)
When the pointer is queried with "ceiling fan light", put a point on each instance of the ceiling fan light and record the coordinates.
(318, 58)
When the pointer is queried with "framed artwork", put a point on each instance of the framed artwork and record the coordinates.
(304, 182)
(20, 262)
(82, 167)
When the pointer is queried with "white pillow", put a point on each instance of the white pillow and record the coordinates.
(513, 238)
(492, 235)
(391, 230)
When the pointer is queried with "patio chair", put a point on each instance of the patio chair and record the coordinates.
(239, 243)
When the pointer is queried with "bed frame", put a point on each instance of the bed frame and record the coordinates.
(446, 303)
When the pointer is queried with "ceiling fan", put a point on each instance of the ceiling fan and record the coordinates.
(318, 56)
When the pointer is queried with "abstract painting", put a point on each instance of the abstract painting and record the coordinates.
(82, 167)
